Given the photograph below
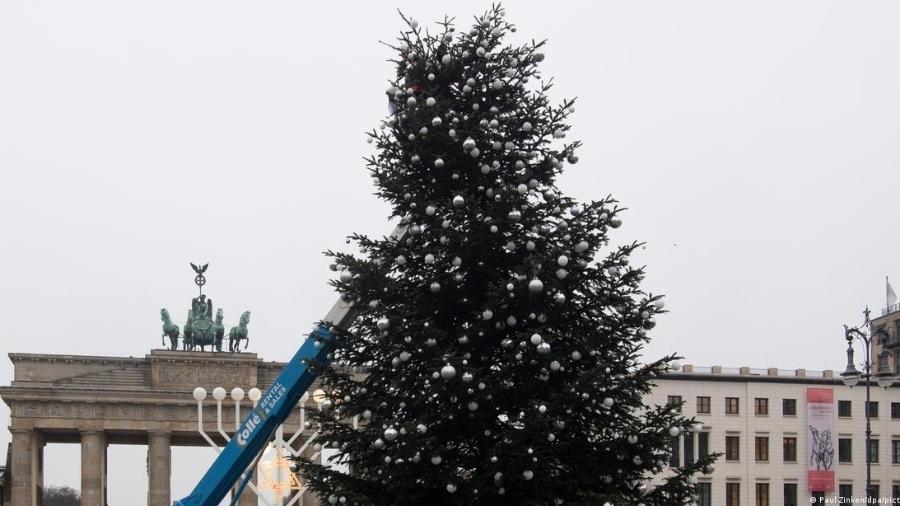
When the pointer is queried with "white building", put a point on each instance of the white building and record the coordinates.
(757, 418)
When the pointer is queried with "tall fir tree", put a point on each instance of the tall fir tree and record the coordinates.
(495, 355)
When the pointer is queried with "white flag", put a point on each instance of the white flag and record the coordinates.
(891, 296)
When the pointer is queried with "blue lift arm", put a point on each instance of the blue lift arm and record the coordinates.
(273, 408)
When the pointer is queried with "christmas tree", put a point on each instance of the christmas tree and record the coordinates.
(495, 355)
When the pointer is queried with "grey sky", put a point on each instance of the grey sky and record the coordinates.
(760, 137)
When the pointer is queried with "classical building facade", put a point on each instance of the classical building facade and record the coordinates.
(98, 401)
(759, 419)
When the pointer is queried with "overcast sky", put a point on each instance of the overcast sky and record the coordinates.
(755, 143)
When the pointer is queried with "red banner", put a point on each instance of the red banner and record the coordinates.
(820, 439)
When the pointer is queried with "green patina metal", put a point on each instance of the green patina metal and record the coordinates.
(236, 334)
(200, 329)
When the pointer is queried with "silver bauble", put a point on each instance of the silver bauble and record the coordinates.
(448, 372)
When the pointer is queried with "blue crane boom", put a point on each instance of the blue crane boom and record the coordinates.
(259, 425)
(273, 408)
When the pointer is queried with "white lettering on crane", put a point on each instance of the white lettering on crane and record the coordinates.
(248, 428)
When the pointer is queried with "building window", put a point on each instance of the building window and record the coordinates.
(895, 492)
(895, 451)
(762, 449)
(703, 405)
(762, 494)
(895, 410)
(845, 450)
(790, 494)
(817, 498)
(845, 492)
(688, 448)
(703, 444)
(675, 458)
(845, 409)
(872, 452)
(873, 409)
(732, 494)
(790, 449)
(731, 406)
(674, 402)
(876, 490)
(732, 448)
(761, 406)
(704, 493)
(789, 407)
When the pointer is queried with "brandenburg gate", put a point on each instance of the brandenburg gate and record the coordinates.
(98, 401)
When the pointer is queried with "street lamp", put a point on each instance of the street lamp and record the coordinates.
(851, 377)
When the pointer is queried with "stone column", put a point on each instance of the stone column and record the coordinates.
(27, 462)
(159, 469)
(93, 468)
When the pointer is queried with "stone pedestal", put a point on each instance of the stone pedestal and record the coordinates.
(159, 469)
(27, 467)
(93, 468)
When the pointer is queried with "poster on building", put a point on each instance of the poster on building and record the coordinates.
(820, 438)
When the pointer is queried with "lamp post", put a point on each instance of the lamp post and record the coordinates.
(851, 377)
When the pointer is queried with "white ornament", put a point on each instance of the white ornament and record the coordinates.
(429, 258)
(430, 101)
(439, 163)
(535, 286)
(421, 429)
(400, 260)
(487, 314)
(451, 488)
(576, 355)
(528, 474)
(411, 101)
(674, 431)
(346, 276)
(536, 339)
(436, 121)
(435, 287)
(543, 348)
(522, 189)
(608, 402)
(581, 247)
(436, 459)
(632, 439)
(446, 59)
(430, 210)
(526, 127)
(390, 434)
(383, 323)
(458, 201)
(562, 260)
(448, 372)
